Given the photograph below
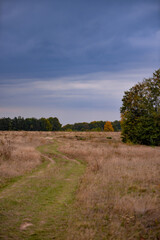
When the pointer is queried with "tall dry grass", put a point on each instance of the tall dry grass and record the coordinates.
(18, 154)
(119, 196)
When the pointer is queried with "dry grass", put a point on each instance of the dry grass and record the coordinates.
(119, 196)
(18, 154)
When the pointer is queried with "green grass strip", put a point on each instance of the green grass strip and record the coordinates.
(42, 199)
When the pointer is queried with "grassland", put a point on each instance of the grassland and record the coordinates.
(78, 186)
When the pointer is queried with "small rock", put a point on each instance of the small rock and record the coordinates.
(25, 225)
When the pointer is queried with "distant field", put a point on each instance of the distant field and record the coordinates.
(78, 186)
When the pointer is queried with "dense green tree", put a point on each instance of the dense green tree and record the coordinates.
(116, 125)
(67, 127)
(15, 124)
(30, 124)
(20, 123)
(45, 125)
(5, 124)
(98, 129)
(81, 126)
(99, 125)
(56, 126)
(141, 112)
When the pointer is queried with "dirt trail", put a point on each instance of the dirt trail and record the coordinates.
(67, 158)
(37, 174)
(48, 158)
(39, 204)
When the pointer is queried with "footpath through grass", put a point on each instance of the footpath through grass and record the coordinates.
(38, 206)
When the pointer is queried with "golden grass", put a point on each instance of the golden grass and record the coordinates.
(119, 194)
(18, 154)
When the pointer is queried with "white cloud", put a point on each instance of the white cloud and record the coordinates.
(88, 97)
(80, 86)
(100, 83)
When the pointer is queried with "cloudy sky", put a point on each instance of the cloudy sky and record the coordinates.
(74, 59)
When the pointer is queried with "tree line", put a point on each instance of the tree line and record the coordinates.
(97, 126)
(30, 124)
(53, 124)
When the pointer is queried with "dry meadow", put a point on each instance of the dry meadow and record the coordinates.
(18, 154)
(118, 197)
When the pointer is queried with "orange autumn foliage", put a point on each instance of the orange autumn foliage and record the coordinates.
(108, 127)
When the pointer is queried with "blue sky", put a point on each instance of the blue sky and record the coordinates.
(74, 59)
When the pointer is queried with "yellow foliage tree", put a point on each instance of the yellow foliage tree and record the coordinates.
(108, 127)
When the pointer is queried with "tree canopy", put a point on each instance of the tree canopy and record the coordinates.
(108, 127)
(30, 124)
(140, 112)
(52, 124)
(97, 126)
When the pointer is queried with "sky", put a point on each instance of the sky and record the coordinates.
(73, 59)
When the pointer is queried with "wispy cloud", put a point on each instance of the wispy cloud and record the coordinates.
(81, 91)
(101, 82)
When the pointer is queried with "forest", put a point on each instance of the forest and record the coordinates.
(30, 124)
(52, 124)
